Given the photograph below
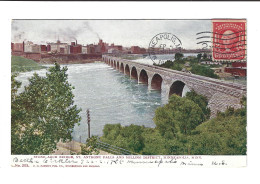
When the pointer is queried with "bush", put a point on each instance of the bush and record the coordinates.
(223, 135)
(129, 137)
(176, 65)
(91, 146)
(203, 70)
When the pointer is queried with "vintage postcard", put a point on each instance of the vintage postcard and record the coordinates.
(126, 93)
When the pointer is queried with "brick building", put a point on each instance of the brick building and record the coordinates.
(90, 49)
(17, 47)
(137, 50)
(48, 48)
(102, 46)
(237, 68)
(43, 48)
(75, 48)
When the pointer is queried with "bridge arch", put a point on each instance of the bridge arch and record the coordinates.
(121, 68)
(177, 88)
(127, 70)
(166, 80)
(156, 82)
(134, 74)
(143, 77)
(115, 64)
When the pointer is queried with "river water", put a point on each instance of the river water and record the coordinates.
(164, 57)
(110, 96)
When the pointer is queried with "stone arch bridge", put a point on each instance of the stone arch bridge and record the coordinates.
(221, 94)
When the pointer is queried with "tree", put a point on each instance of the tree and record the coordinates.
(167, 64)
(133, 134)
(203, 70)
(91, 146)
(178, 56)
(223, 135)
(201, 100)
(15, 85)
(176, 65)
(205, 56)
(181, 129)
(199, 56)
(154, 142)
(43, 113)
(128, 137)
(180, 115)
(177, 146)
(111, 132)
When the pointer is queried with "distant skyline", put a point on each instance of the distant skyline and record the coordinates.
(121, 32)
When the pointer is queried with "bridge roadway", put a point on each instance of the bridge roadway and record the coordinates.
(220, 94)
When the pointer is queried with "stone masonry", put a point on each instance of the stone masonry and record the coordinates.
(221, 94)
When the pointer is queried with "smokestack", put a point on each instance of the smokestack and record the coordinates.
(76, 42)
(23, 46)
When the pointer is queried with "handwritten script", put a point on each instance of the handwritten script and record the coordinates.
(125, 161)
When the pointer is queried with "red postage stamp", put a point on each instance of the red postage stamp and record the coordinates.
(229, 39)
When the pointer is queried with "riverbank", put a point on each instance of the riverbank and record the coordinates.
(69, 61)
(21, 64)
(49, 58)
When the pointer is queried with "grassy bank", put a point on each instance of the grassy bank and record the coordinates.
(20, 64)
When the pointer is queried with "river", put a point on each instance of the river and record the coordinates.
(110, 96)
(164, 57)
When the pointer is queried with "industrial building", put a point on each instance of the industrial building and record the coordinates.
(58, 47)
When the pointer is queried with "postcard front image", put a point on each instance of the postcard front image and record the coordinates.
(139, 93)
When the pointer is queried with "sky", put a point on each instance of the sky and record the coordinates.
(120, 32)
